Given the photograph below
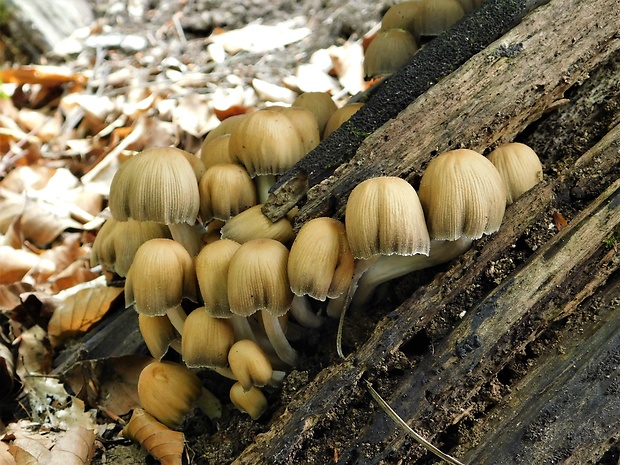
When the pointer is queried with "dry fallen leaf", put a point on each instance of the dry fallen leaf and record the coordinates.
(158, 440)
(75, 447)
(6, 458)
(259, 38)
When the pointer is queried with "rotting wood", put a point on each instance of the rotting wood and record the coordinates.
(489, 100)
(312, 407)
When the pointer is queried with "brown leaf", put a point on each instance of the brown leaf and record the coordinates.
(24, 457)
(76, 447)
(119, 391)
(6, 458)
(80, 310)
(34, 355)
(14, 264)
(9, 295)
(37, 74)
(559, 221)
(158, 440)
(7, 371)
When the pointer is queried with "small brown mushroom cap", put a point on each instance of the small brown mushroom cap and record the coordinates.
(226, 190)
(253, 402)
(212, 271)
(306, 124)
(258, 279)
(341, 115)
(215, 151)
(225, 127)
(320, 104)
(161, 274)
(462, 194)
(158, 333)
(519, 167)
(206, 340)
(249, 364)
(253, 224)
(168, 391)
(402, 16)
(437, 16)
(388, 51)
(320, 262)
(384, 216)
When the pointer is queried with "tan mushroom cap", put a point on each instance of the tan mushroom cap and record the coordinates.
(253, 224)
(158, 184)
(253, 402)
(320, 104)
(225, 127)
(206, 340)
(437, 16)
(341, 115)
(158, 333)
(320, 262)
(306, 124)
(388, 51)
(161, 274)
(462, 194)
(215, 151)
(519, 167)
(226, 190)
(384, 216)
(258, 279)
(249, 364)
(212, 271)
(168, 391)
(402, 16)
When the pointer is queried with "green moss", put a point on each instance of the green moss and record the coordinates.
(614, 239)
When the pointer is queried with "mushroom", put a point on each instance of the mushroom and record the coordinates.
(168, 391)
(161, 185)
(258, 281)
(253, 401)
(158, 334)
(226, 190)
(206, 340)
(519, 167)
(253, 224)
(161, 274)
(388, 51)
(305, 122)
(319, 103)
(436, 16)
(402, 16)
(249, 364)
(117, 242)
(215, 150)
(341, 115)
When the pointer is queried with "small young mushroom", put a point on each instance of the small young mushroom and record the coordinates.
(253, 401)
(341, 115)
(519, 167)
(437, 16)
(226, 190)
(158, 334)
(319, 103)
(206, 340)
(253, 224)
(389, 50)
(161, 275)
(215, 151)
(249, 364)
(168, 391)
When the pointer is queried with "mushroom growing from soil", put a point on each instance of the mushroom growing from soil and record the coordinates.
(169, 390)
(249, 364)
(206, 340)
(253, 401)
(160, 185)
(388, 51)
(519, 167)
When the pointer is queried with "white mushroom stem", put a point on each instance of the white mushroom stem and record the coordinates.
(388, 267)
(303, 313)
(188, 236)
(263, 183)
(209, 404)
(177, 317)
(243, 329)
(278, 340)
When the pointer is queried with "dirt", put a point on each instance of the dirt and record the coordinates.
(331, 23)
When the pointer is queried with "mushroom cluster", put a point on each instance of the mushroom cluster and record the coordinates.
(210, 276)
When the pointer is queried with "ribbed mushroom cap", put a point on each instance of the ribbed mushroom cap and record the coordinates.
(266, 142)
(212, 271)
(215, 151)
(305, 122)
(258, 279)
(462, 194)
(158, 184)
(341, 115)
(249, 364)
(161, 274)
(437, 16)
(388, 51)
(320, 263)
(519, 167)
(225, 127)
(253, 402)
(253, 224)
(402, 16)
(206, 340)
(168, 391)
(320, 104)
(117, 242)
(158, 333)
(384, 216)
(226, 190)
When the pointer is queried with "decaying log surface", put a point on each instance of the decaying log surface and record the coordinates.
(559, 276)
(489, 100)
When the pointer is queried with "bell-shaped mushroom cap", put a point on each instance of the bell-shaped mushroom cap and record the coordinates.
(253, 402)
(168, 391)
(462, 195)
(258, 280)
(437, 16)
(320, 104)
(117, 242)
(158, 333)
(206, 340)
(225, 127)
(320, 263)
(226, 190)
(253, 224)
(402, 16)
(215, 151)
(249, 364)
(212, 271)
(266, 142)
(341, 115)
(161, 274)
(519, 167)
(384, 216)
(158, 184)
(388, 51)
(306, 124)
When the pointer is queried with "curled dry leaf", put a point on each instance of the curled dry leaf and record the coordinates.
(14, 264)
(75, 447)
(6, 458)
(158, 440)
(9, 295)
(7, 371)
(21, 456)
(81, 310)
(28, 450)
